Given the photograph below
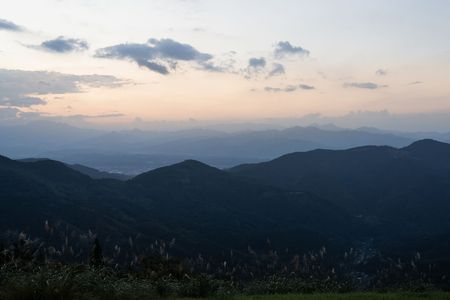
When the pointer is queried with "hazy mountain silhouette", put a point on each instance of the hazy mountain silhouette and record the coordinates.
(135, 151)
(29, 140)
(272, 143)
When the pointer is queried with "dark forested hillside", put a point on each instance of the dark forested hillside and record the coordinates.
(400, 192)
(398, 199)
(203, 208)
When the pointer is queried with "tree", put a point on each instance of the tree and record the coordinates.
(96, 258)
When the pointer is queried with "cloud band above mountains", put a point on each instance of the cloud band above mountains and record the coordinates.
(26, 88)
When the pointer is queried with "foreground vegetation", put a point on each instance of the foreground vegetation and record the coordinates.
(46, 269)
(85, 282)
(74, 281)
(352, 296)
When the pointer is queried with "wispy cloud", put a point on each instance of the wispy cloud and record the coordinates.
(255, 67)
(9, 113)
(277, 69)
(15, 114)
(10, 26)
(363, 85)
(289, 88)
(160, 56)
(284, 49)
(22, 101)
(257, 63)
(62, 45)
(26, 88)
(381, 72)
(306, 87)
(99, 116)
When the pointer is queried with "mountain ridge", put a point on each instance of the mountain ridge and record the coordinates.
(300, 200)
(212, 209)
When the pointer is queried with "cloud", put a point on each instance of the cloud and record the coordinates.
(257, 63)
(255, 67)
(22, 101)
(211, 67)
(415, 82)
(160, 56)
(26, 88)
(363, 85)
(11, 115)
(283, 49)
(63, 45)
(273, 89)
(289, 88)
(8, 113)
(168, 48)
(306, 87)
(277, 69)
(381, 72)
(156, 67)
(82, 117)
(9, 26)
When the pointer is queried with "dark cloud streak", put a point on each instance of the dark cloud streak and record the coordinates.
(63, 45)
(257, 63)
(306, 87)
(9, 26)
(159, 56)
(289, 88)
(363, 85)
(283, 49)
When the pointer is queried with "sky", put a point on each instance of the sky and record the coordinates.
(120, 61)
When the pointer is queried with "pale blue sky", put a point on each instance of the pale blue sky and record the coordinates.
(358, 55)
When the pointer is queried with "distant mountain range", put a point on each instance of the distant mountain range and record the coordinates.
(136, 151)
(397, 198)
(272, 143)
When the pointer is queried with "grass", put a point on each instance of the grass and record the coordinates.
(351, 296)
(87, 283)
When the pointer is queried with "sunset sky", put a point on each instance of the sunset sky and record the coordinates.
(114, 61)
